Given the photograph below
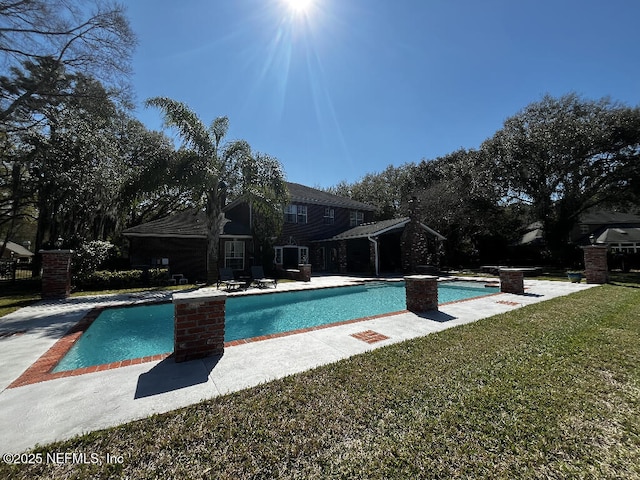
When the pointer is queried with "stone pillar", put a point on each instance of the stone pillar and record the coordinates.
(421, 292)
(305, 272)
(198, 324)
(342, 256)
(56, 273)
(596, 268)
(414, 246)
(512, 280)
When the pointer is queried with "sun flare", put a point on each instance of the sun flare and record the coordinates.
(299, 6)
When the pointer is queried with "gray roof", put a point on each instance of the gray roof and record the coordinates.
(532, 237)
(192, 224)
(374, 229)
(303, 194)
(18, 250)
(619, 235)
(186, 224)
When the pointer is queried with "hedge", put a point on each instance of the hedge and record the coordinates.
(108, 280)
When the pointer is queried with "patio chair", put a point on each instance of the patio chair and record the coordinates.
(257, 273)
(226, 278)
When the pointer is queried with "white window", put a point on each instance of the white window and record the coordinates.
(290, 214)
(329, 216)
(295, 214)
(584, 229)
(624, 247)
(302, 213)
(234, 254)
(356, 218)
(303, 254)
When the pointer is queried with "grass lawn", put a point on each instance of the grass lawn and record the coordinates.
(547, 391)
(14, 301)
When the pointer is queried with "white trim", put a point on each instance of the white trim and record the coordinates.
(391, 227)
(241, 237)
(433, 232)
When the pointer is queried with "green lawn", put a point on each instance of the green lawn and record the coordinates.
(11, 302)
(547, 391)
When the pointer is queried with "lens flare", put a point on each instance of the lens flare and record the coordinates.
(299, 6)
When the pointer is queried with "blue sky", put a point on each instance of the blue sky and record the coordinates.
(348, 87)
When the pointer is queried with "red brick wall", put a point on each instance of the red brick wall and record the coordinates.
(511, 281)
(595, 264)
(305, 272)
(198, 324)
(56, 273)
(421, 293)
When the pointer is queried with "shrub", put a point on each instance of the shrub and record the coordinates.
(90, 256)
(107, 280)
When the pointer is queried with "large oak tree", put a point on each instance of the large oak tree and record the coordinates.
(565, 155)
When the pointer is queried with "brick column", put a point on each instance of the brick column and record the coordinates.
(305, 272)
(512, 280)
(198, 324)
(421, 292)
(596, 268)
(56, 273)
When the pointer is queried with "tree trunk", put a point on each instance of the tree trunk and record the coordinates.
(214, 223)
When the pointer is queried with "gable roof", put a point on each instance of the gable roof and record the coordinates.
(193, 224)
(619, 235)
(186, 224)
(374, 229)
(303, 194)
(17, 250)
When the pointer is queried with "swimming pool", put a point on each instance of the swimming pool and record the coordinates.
(134, 332)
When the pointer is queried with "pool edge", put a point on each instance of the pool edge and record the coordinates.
(41, 369)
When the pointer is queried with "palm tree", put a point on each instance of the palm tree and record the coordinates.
(211, 165)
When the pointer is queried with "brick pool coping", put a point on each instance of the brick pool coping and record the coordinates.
(41, 369)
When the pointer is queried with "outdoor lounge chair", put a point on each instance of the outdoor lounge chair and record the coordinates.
(226, 278)
(257, 273)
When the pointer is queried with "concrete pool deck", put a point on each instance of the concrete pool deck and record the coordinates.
(59, 409)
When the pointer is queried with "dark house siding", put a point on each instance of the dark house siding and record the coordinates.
(187, 256)
(239, 214)
(304, 234)
(181, 237)
(316, 228)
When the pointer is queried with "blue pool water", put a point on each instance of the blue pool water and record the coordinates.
(133, 332)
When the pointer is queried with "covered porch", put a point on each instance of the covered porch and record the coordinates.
(390, 246)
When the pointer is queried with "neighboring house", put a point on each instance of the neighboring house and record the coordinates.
(15, 258)
(332, 233)
(14, 251)
(619, 231)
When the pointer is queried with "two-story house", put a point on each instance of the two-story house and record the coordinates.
(315, 215)
(332, 233)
